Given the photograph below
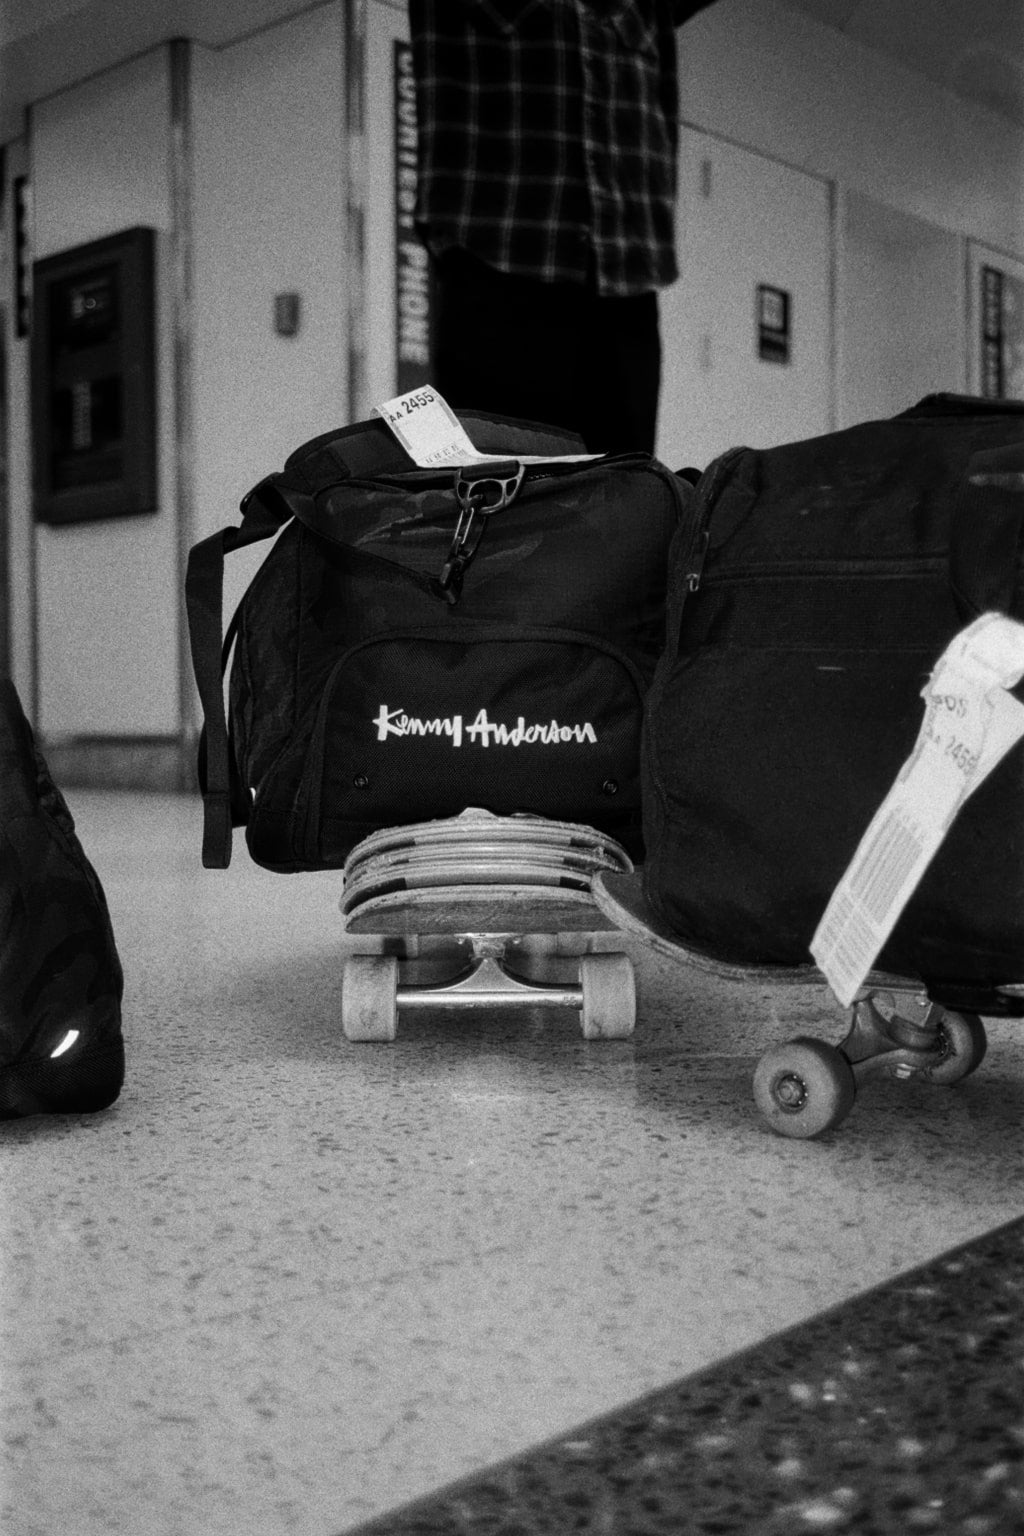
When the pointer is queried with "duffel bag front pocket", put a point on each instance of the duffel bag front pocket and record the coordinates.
(765, 765)
(415, 727)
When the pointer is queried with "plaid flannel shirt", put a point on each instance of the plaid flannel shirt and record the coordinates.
(548, 136)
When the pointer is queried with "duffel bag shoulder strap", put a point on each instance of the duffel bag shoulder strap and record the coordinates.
(224, 802)
(370, 449)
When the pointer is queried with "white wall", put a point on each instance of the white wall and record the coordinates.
(902, 310)
(716, 389)
(914, 172)
(107, 603)
(269, 217)
(775, 80)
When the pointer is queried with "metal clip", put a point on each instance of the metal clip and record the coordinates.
(480, 491)
(488, 488)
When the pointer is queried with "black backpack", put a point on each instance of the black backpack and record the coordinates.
(421, 641)
(61, 982)
(813, 588)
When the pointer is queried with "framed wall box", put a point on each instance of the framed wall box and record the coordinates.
(94, 427)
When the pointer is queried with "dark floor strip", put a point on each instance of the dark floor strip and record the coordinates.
(899, 1412)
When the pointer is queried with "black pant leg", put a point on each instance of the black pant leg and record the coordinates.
(548, 352)
(621, 375)
(508, 344)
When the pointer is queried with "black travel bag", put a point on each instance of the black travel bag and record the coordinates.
(812, 590)
(61, 982)
(421, 641)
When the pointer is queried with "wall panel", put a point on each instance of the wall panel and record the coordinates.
(107, 591)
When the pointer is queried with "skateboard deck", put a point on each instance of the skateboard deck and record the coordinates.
(498, 909)
(620, 897)
(807, 1086)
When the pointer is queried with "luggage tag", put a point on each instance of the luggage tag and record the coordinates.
(971, 722)
(434, 437)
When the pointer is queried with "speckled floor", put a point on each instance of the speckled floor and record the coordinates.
(291, 1284)
(900, 1411)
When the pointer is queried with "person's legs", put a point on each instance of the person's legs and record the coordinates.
(508, 344)
(548, 352)
(620, 374)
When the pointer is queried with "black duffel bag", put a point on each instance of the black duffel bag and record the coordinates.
(812, 591)
(419, 641)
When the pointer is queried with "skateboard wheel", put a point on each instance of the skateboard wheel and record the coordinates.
(962, 1044)
(609, 996)
(369, 997)
(804, 1087)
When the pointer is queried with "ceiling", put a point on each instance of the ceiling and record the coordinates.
(973, 47)
(46, 45)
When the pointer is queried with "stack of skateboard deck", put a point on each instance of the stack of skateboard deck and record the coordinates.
(505, 900)
(465, 872)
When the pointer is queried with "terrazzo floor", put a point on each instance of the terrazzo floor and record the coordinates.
(292, 1284)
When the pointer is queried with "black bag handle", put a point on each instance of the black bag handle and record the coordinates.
(949, 403)
(224, 800)
(986, 543)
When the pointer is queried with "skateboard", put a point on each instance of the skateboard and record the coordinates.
(479, 911)
(807, 1086)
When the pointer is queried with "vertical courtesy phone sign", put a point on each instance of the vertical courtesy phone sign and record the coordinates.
(22, 259)
(413, 278)
(993, 381)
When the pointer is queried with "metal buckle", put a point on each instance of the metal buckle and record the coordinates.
(487, 488)
(480, 490)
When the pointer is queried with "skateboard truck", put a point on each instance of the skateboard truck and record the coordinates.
(888, 1043)
(499, 908)
(486, 983)
(604, 996)
(806, 1086)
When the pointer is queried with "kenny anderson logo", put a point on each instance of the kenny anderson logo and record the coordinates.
(481, 731)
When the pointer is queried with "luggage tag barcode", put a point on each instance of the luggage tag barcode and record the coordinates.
(970, 723)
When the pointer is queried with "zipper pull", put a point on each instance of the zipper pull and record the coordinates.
(693, 579)
(460, 553)
(449, 582)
